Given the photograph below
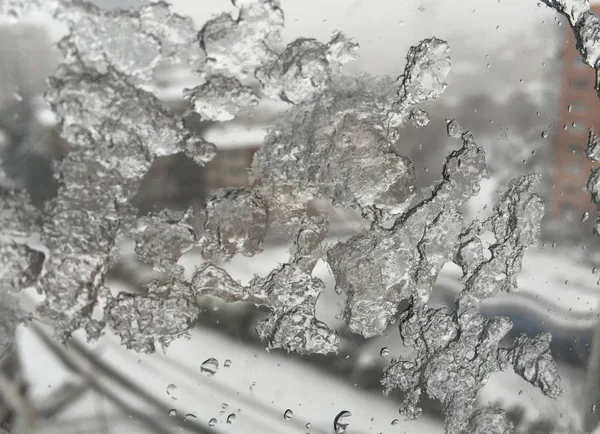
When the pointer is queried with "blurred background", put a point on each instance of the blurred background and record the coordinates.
(516, 82)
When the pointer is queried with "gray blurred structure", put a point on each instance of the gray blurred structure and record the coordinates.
(27, 58)
(28, 142)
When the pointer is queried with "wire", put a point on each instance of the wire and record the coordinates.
(153, 425)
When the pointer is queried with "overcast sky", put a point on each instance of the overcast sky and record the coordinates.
(386, 28)
(494, 44)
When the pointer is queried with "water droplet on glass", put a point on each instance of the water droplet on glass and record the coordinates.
(385, 351)
(212, 422)
(252, 385)
(224, 406)
(209, 367)
(231, 418)
(569, 108)
(172, 412)
(189, 417)
(227, 363)
(520, 392)
(544, 134)
(585, 216)
(594, 270)
(308, 425)
(170, 389)
(395, 422)
(288, 414)
(341, 421)
(594, 408)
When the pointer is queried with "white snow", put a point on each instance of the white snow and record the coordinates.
(258, 387)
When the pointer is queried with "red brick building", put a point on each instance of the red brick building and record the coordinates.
(579, 110)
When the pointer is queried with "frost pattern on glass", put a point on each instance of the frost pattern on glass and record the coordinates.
(424, 78)
(593, 147)
(236, 222)
(167, 312)
(586, 27)
(344, 127)
(303, 69)
(239, 46)
(116, 131)
(20, 263)
(336, 142)
(221, 98)
(132, 42)
(291, 295)
(457, 351)
(403, 262)
(419, 118)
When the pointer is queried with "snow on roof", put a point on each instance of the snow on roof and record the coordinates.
(232, 135)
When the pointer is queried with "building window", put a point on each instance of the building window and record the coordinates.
(572, 168)
(575, 128)
(237, 171)
(568, 211)
(578, 63)
(580, 83)
(575, 148)
(235, 154)
(571, 190)
(577, 107)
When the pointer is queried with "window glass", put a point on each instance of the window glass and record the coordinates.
(575, 128)
(577, 107)
(414, 248)
(580, 83)
(578, 63)
(573, 168)
(576, 148)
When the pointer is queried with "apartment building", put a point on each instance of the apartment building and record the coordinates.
(579, 110)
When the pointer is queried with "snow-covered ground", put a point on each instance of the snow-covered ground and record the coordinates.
(259, 387)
